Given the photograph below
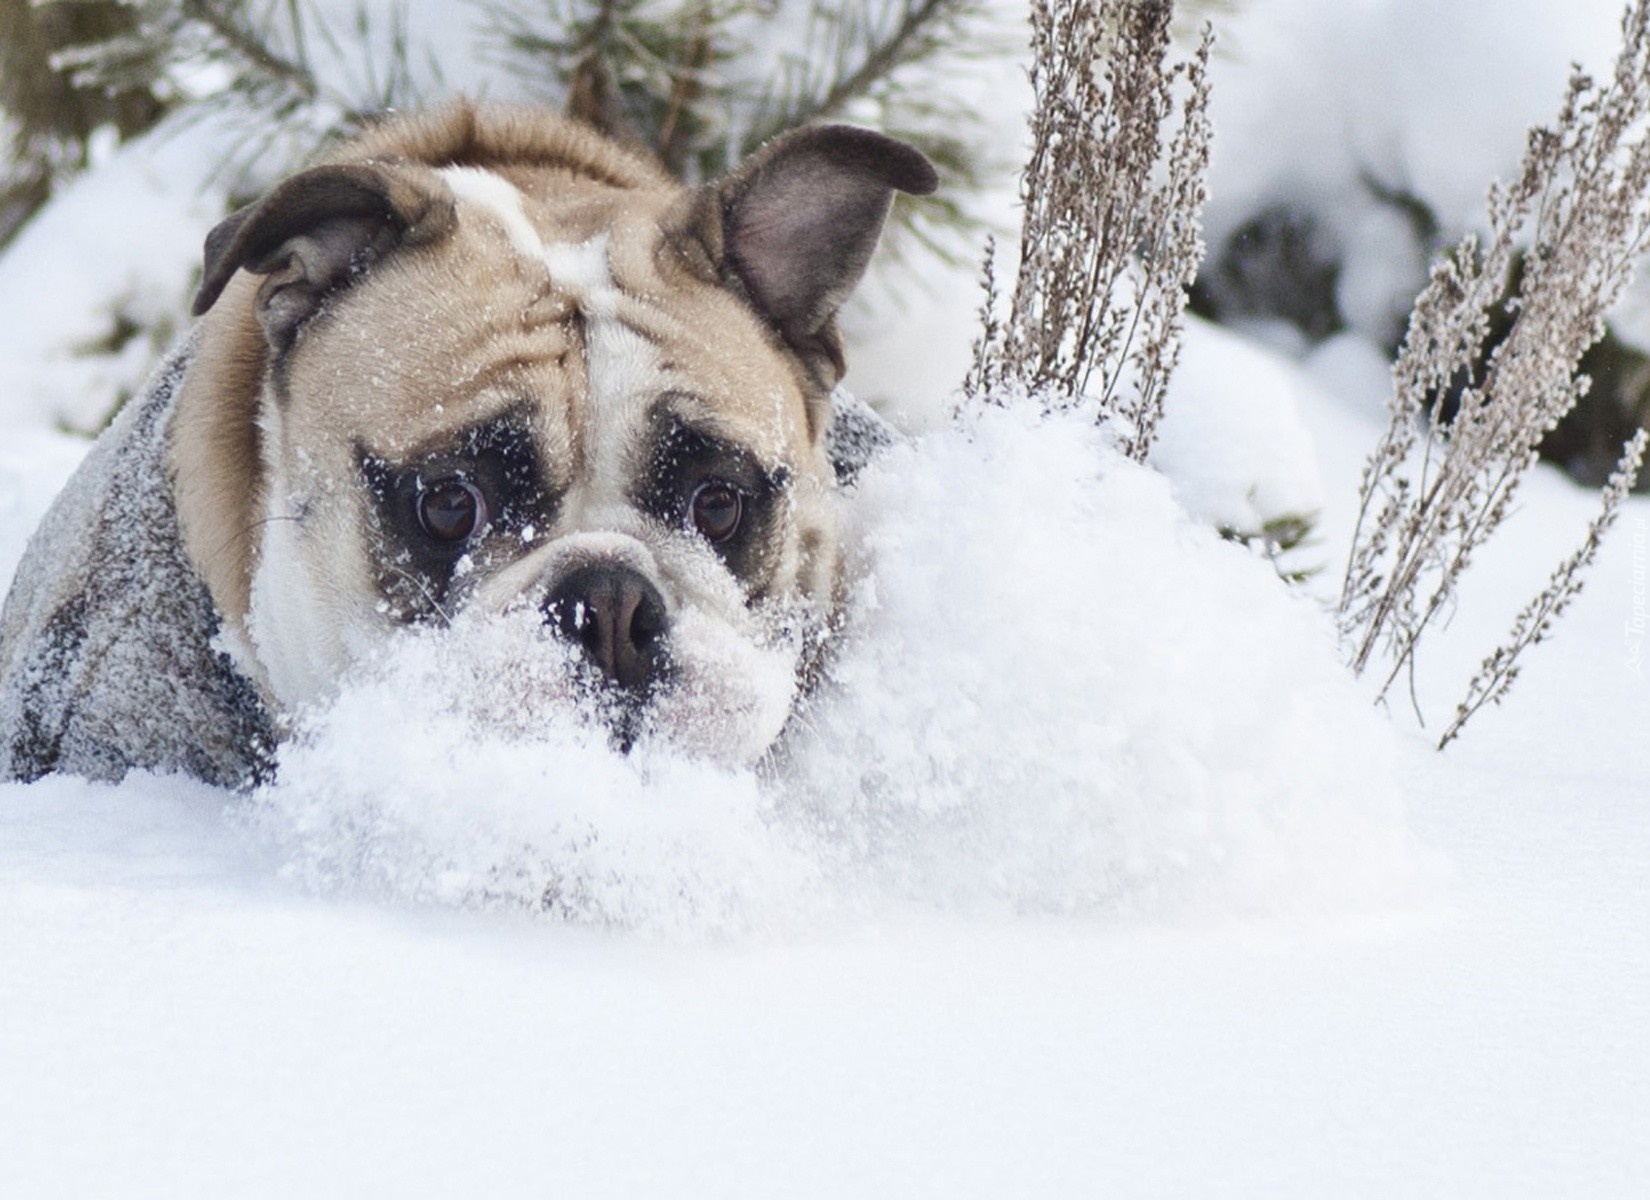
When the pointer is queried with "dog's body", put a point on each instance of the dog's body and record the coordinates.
(471, 362)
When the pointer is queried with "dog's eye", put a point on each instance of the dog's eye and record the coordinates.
(452, 510)
(717, 509)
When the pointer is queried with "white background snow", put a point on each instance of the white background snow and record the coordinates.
(1094, 876)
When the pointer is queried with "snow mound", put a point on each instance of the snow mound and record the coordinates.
(469, 767)
(1061, 695)
(1055, 694)
(1232, 442)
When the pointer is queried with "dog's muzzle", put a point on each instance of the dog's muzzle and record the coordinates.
(617, 618)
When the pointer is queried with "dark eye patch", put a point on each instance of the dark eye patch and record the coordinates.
(500, 461)
(683, 459)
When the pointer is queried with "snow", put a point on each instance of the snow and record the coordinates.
(982, 743)
(1239, 457)
(519, 801)
(1002, 736)
(1431, 97)
(33, 465)
(221, 1036)
(1092, 875)
(1321, 105)
(121, 243)
(1283, 1016)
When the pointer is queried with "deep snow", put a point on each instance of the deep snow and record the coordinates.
(184, 1018)
(1096, 878)
(1102, 710)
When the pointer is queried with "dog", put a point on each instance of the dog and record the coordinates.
(478, 361)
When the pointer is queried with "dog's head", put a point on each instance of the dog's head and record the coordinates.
(513, 368)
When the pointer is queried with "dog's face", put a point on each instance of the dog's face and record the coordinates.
(487, 391)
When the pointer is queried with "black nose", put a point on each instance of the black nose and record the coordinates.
(616, 616)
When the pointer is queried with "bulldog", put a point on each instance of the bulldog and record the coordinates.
(478, 362)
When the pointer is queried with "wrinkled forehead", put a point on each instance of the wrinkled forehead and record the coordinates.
(560, 304)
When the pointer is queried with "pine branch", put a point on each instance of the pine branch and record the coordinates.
(686, 90)
(590, 87)
(665, 74)
(882, 58)
(251, 48)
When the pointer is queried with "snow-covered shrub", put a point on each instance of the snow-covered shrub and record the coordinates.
(1111, 232)
(98, 282)
(1434, 491)
(50, 115)
(1234, 446)
(1352, 150)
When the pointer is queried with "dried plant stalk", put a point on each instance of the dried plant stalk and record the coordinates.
(1535, 623)
(1581, 205)
(1113, 196)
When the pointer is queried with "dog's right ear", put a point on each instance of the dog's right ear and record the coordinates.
(318, 230)
(791, 231)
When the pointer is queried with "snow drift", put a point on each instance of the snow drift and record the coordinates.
(1055, 694)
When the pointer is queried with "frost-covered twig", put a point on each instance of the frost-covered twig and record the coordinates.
(1535, 624)
(1113, 197)
(985, 374)
(1581, 205)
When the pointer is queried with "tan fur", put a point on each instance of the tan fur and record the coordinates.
(499, 137)
(216, 468)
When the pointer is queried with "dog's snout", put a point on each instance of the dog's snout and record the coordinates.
(616, 616)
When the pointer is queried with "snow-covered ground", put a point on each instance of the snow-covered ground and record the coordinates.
(1095, 878)
(1315, 1007)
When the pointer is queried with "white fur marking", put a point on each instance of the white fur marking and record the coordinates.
(581, 268)
(622, 368)
(500, 198)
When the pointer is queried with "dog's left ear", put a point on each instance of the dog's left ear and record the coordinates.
(793, 227)
(318, 230)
